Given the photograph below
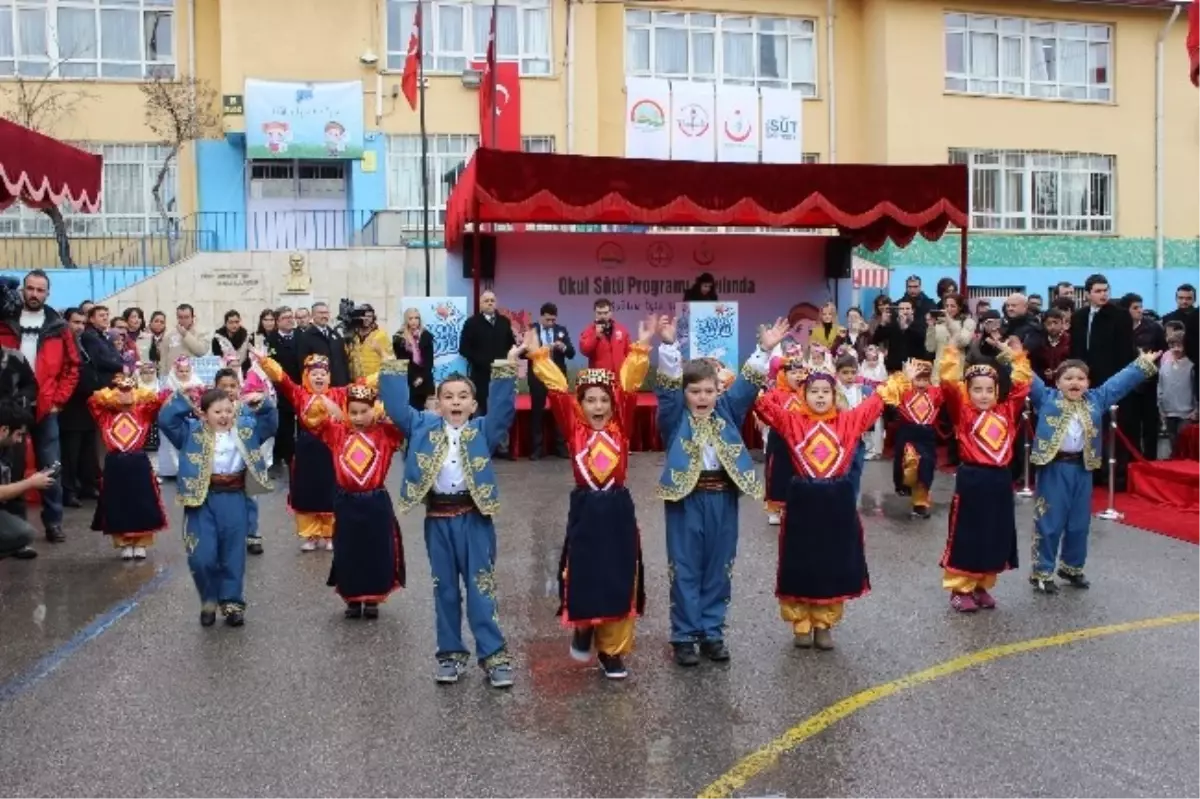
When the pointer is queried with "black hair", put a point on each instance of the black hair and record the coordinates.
(697, 371)
(1065, 284)
(548, 308)
(1065, 304)
(67, 314)
(847, 361)
(230, 314)
(1038, 297)
(183, 306)
(224, 372)
(211, 396)
(944, 284)
(14, 415)
(1094, 280)
(1054, 313)
(456, 377)
(37, 273)
(1186, 287)
(1070, 363)
(1129, 299)
(125, 314)
(95, 309)
(603, 302)
(157, 313)
(854, 308)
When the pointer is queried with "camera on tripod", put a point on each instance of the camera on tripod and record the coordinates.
(355, 317)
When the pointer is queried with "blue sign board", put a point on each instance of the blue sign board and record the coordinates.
(292, 120)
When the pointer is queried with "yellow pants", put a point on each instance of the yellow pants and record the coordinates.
(966, 583)
(806, 617)
(920, 493)
(139, 540)
(314, 525)
(613, 637)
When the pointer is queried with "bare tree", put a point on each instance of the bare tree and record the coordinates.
(179, 111)
(40, 104)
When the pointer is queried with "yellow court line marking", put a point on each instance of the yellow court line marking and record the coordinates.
(754, 764)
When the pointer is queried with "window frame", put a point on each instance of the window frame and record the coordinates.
(1034, 163)
(1026, 31)
(53, 60)
(395, 53)
(725, 24)
(400, 160)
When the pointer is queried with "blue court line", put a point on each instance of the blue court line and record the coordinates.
(50, 663)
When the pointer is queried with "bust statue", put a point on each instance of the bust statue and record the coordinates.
(299, 281)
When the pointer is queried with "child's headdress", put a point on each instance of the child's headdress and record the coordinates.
(360, 392)
(923, 368)
(980, 370)
(820, 373)
(124, 382)
(316, 362)
(594, 378)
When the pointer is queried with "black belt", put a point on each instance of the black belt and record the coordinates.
(227, 483)
(1068, 457)
(441, 505)
(717, 480)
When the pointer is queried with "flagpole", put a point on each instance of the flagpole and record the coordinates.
(492, 66)
(424, 153)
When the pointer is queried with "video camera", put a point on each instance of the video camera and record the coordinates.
(352, 316)
(10, 298)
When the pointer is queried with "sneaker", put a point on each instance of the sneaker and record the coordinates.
(773, 519)
(581, 644)
(613, 667)
(139, 553)
(803, 640)
(25, 553)
(308, 546)
(984, 600)
(127, 553)
(208, 617)
(823, 638)
(500, 676)
(963, 603)
(1075, 580)
(354, 610)
(1044, 585)
(371, 610)
(328, 544)
(254, 546)
(716, 651)
(919, 512)
(235, 618)
(448, 671)
(685, 654)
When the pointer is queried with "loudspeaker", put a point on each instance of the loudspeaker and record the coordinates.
(838, 264)
(486, 245)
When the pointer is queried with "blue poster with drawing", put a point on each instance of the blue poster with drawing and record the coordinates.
(711, 331)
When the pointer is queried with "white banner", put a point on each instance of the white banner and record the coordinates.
(737, 124)
(783, 129)
(647, 131)
(693, 113)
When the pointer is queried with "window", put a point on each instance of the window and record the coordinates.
(1040, 191)
(74, 39)
(126, 204)
(455, 32)
(1028, 58)
(722, 48)
(448, 154)
(537, 144)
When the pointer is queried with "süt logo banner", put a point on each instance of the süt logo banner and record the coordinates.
(785, 128)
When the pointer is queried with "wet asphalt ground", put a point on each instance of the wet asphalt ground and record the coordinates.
(109, 686)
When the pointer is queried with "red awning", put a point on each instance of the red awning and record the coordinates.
(870, 204)
(43, 172)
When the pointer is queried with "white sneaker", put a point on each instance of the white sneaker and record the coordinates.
(308, 546)
(139, 553)
(328, 544)
(773, 519)
(127, 553)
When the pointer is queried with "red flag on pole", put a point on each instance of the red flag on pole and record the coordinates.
(410, 78)
(487, 88)
(499, 99)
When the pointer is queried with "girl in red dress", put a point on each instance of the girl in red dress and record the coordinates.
(601, 584)
(130, 507)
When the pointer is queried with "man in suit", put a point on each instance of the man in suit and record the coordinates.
(321, 339)
(282, 345)
(555, 336)
(1102, 337)
(486, 337)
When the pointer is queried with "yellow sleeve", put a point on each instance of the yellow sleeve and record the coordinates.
(105, 398)
(372, 381)
(891, 391)
(385, 344)
(950, 370)
(637, 364)
(547, 370)
(271, 369)
(313, 415)
(1022, 371)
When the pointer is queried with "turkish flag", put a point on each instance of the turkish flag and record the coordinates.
(1193, 41)
(412, 62)
(499, 98)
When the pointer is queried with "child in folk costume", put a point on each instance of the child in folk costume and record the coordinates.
(368, 553)
(601, 579)
(228, 380)
(181, 378)
(851, 393)
(873, 373)
(915, 456)
(1066, 449)
(449, 467)
(822, 562)
(707, 468)
(982, 540)
(789, 385)
(147, 378)
(219, 469)
(130, 507)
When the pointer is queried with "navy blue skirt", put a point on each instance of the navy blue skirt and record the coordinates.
(983, 522)
(779, 470)
(368, 553)
(821, 554)
(130, 502)
(601, 565)
(313, 482)
(924, 440)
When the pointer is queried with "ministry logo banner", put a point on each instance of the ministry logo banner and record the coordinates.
(782, 117)
(738, 127)
(693, 122)
(647, 118)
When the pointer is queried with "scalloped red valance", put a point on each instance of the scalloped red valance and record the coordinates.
(43, 172)
(870, 204)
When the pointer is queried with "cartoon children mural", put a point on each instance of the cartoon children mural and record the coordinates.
(278, 135)
(335, 137)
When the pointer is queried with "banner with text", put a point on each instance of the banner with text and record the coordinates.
(712, 332)
(291, 120)
(737, 124)
(782, 126)
(443, 317)
(647, 131)
(762, 277)
(693, 109)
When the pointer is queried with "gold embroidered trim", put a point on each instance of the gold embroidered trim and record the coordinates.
(504, 370)
(668, 383)
(393, 366)
(708, 431)
(753, 376)
(1044, 451)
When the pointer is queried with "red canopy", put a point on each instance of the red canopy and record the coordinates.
(870, 204)
(43, 172)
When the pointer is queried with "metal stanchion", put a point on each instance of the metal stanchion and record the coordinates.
(1111, 513)
(1026, 490)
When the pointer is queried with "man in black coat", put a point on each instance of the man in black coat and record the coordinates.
(318, 338)
(486, 337)
(1139, 418)
(902, 334)
(102, 354)
(1102, 337)
(283, 347)
(78, 440)
(1185, 314)
(1019, 321)
(553, 335)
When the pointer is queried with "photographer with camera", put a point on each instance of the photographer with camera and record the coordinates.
(318, 338)
(902, 334)
(18, 398)
(606, 342)
(365, 341)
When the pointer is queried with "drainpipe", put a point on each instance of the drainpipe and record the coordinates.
(570, 59)
(831, 101)
(1160, 166)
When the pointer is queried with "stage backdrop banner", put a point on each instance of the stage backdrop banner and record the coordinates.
(713, 332)
(647, 124)
(292, 120)
(693, 111)
(443, 318)
(763, 277)
(737, 124)
(782, 127)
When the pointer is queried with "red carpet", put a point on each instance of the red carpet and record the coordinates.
(1146, 515)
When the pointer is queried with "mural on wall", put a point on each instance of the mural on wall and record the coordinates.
(759, 278)
(292, 120)
(443, 317)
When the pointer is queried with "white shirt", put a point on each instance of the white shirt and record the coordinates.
(31, 321)
(451, 479)
(708, 455)
(853, 394)
(1073, 440)
(227, 457)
